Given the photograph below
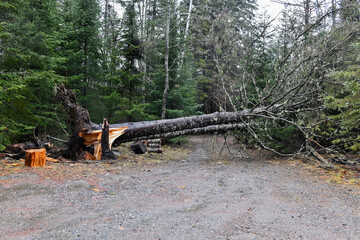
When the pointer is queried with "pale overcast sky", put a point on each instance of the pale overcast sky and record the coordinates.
(273, 9)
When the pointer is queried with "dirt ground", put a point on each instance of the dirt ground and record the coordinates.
(204, 195)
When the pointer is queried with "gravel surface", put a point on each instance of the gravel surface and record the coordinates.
(201, 197)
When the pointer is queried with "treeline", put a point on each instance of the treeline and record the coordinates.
(150, 59)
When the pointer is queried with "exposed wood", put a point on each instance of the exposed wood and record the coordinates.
(35, 157)
(94, 138)
(106, 152)
(86, 156)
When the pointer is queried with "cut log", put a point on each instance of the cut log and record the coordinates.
(138, 147)
(158, 140)
(35, 157)
(155, 149)
(154, 145)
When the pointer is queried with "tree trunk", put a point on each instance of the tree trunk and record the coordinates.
(182, 54)
(166, 89)
(219, 121)
(79, 120)
(106, 152)
(333, 13)
(307, 15)
(192, 131)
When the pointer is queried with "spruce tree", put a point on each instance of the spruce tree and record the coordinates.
(29, 60)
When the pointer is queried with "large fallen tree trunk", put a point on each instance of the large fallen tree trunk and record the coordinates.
(219, 121)
(192, 131)
(82, 128)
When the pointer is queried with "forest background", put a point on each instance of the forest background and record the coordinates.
(150, 59)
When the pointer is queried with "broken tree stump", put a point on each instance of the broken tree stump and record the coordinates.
(35, 157)
(106, 152)
(94, 138)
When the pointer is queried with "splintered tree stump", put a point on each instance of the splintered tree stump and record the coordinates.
(106, 152)
(35, 157)
(94, 138)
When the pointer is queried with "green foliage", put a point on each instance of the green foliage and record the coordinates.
(29, 34)
(283, 138)
(343, 116)
(181, 98)
(25, 104)
(286, 139)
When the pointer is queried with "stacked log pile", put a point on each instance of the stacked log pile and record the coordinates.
(154, 145)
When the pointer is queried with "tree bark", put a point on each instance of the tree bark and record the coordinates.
(307, 15)
(182, 54)
(193, 131)
(333, 13)
(106, 152)
(79, 120)
(192, 125)
(166, 89)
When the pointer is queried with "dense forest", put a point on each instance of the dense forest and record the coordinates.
(140, 60)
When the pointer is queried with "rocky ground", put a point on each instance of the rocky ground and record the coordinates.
(204, 195)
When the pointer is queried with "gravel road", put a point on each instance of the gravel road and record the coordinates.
(201, 197)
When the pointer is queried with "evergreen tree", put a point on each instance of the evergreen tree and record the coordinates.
(81, 48)
(181, 96)
(29, 42)
(223, 35)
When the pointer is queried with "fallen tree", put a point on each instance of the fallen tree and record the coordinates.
(85, 133)
(295, 87)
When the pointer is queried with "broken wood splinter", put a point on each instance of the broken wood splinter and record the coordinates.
(94, 138)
